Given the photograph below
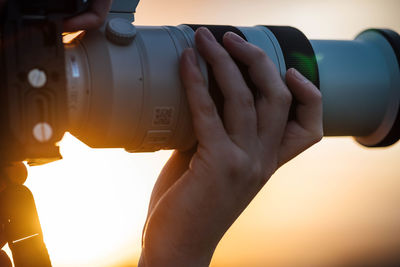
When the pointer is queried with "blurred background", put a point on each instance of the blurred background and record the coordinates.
(338, 204)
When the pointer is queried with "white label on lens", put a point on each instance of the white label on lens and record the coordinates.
(162, 116)
(74, 68)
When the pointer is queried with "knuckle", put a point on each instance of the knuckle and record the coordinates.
(98, 20)
(246, 101)
(220, 56)
(255, 176)
(284, 97)
(317, 96)
(207, 109)
(237, 163)
(315, 136)
(245, 172)
(259, 54)
(228, 66)
(318, 136)
(94, 22)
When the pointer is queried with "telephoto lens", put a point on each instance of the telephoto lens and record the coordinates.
(125, 91)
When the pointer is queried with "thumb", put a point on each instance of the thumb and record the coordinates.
(177, 165)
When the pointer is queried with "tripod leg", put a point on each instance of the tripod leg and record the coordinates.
(4, 259)
(22, 227)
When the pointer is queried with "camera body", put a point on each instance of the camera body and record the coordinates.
(33, 108)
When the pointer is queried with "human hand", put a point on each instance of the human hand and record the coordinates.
(197, 198)
(10, 173)
(93, 18)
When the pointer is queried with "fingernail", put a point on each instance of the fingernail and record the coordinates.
(300, 76)
(234, 37)
(205, 33)
(191, 57)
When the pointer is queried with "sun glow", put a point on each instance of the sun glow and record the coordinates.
(335, 205)
(93, 203)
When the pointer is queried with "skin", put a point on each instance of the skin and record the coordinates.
(200, 193)
(91, 19)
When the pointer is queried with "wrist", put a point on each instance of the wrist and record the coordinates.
(172, 257)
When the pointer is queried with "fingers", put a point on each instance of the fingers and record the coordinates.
(239, 110)
(274, 103)
(272, 108)
(175, 167)
(207, 124)
(307, 129)
(91, 19)
(309, 100)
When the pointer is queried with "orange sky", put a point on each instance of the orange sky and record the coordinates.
(336, 204)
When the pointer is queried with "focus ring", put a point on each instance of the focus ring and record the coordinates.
(215, 92)
(297, 51)
(218, 30)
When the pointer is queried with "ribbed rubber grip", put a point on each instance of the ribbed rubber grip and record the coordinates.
(297, 51)
(218, 31)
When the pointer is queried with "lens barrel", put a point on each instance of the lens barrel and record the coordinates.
(393, 39)
(131, 96)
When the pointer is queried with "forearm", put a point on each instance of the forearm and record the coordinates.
(167, 259)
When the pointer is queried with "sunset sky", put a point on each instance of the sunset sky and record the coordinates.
(338, 204)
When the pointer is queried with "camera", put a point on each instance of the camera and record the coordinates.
(119, 86)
